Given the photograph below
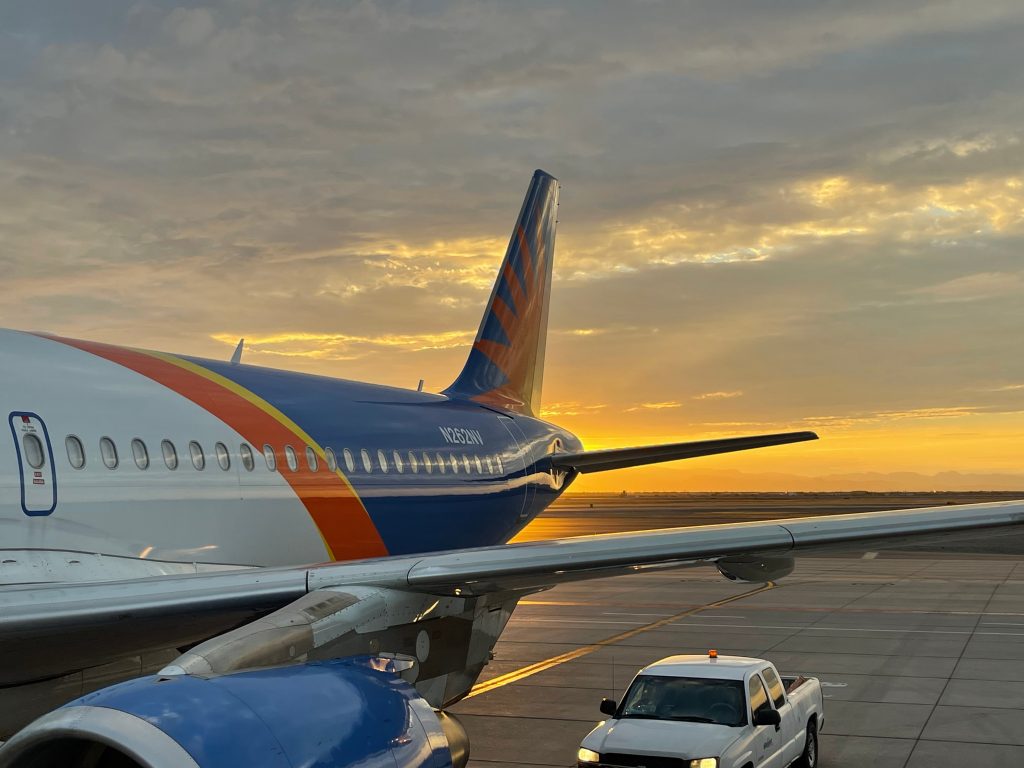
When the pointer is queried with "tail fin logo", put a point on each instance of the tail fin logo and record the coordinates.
(505, 368)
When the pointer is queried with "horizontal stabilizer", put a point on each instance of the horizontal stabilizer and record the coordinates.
(620, 458)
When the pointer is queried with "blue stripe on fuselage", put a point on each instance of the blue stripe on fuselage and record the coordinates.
(414, 512)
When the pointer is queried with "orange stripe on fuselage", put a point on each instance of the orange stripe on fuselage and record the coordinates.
(343, 522)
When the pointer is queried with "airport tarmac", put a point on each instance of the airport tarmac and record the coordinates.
(920, 654)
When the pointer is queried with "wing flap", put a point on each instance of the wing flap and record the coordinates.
(620, 458)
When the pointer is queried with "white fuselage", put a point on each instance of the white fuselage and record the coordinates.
(228, 517)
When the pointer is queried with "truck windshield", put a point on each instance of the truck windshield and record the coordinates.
(689, 699)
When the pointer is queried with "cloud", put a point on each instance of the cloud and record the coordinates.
(719, 395)
(890, 417)
(984, 285)
(665, 405)
(189, 26)
(335, 346)
(816, 207)
(571, 408)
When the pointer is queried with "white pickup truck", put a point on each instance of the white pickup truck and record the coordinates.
(709, 712)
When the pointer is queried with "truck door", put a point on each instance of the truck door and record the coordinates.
(769, 747)
(791, 730)
(35, 463)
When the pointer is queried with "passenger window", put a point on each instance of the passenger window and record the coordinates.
(383, 461)
(367, 464)
(270, 457)
(775, 689)
(332, 460)
(501, 469)
(758, 698)
(33, 451)
(454, 464)
(397, 458)
(140, 454)
(350, 464)
(76, 453)
(414, 463)
(426, 463)
(479, 465)
(289, 456)
(490, 465)
(108, 452)
(247, 458)
(440, 463)
(198, 457)
(465, 464)
(170, 454)
(223, 457)
(311, 460)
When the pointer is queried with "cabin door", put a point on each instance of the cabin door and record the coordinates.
(35, 463)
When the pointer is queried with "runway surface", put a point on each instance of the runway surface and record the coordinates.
(921, 654)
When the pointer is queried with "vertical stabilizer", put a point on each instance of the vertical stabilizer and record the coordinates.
(505, 368)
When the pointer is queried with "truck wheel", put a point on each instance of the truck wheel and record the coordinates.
(809, 758)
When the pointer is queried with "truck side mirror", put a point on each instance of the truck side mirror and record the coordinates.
(608, 707)
(767, 717)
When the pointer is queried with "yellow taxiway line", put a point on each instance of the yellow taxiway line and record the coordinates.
(521, 674)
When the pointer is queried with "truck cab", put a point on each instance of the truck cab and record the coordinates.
(709, 712)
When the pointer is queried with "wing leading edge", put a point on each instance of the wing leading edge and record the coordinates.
(620, 458)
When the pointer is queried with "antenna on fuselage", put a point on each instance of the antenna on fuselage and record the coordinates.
(419, 387)
(236, 358)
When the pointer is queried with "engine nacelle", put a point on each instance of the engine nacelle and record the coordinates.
(755, 569)
(347, 712)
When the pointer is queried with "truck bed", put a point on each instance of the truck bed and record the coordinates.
(792, 683)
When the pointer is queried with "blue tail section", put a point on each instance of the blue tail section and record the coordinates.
(505, 368)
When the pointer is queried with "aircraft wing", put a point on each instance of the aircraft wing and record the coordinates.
(46, 630)
(538, 565)
(620, 458)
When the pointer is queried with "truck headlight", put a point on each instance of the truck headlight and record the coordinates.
(588, 756)
(704, 762)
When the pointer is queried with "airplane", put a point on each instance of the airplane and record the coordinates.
(209, 563)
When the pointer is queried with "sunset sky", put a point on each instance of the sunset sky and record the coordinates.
(785, 215)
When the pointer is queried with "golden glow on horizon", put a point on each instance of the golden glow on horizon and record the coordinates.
(961, 448)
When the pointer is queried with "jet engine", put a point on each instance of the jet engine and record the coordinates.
(346, 712)
(754, 568)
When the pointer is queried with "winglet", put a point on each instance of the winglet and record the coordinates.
(236, 358)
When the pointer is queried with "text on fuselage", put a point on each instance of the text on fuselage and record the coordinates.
(461, 436)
